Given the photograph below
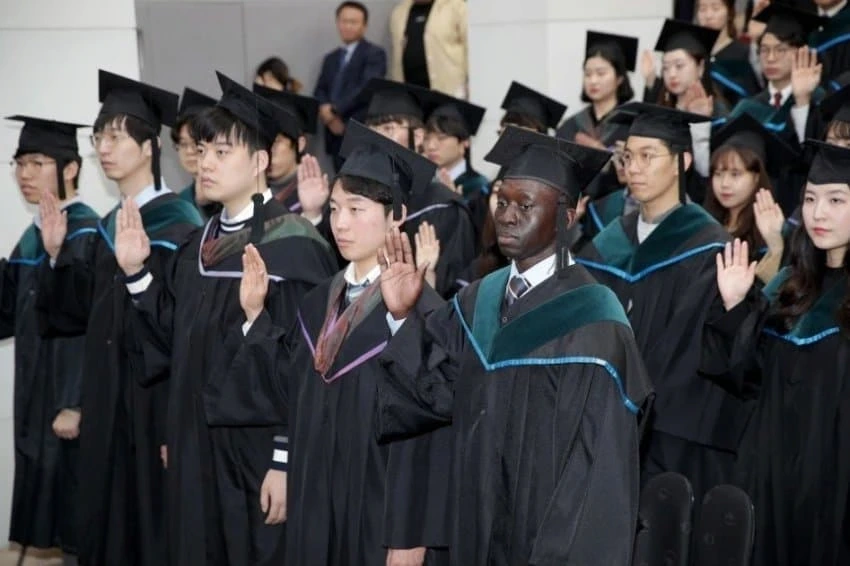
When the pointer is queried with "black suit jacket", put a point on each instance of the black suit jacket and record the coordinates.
(367, 61)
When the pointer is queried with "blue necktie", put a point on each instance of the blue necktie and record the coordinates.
(517, 287)
(336, 87)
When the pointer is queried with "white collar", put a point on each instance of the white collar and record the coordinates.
(62, 206)
(458, 169)
(149, 193)
(539, 272)
(785, 93)
(246, 213)
(832, 11)
(371, 277)
(349, 48)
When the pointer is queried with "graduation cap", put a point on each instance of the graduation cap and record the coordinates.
(747, 132)
(836, 106)
(54, 139)
(523, 100)
(439, 104)
(690, 37)
(783, 20)
(628, 46)
(305, 108)
(667, 124)
(192, 102)
(372, 156)
(567, 167)
(830, 163)
(153, 106)
(386, 97)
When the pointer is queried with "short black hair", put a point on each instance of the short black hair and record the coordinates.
(448, 125)
(184, 120)
(367, 188)
(381, 119)
(614, 55)
(215, 121)
(794, 38)
(523, 120)
(356, 6)
(137, 129)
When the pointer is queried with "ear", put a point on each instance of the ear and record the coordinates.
(571, 217)
(70, 171)
(302, 144)
(397, 223)
(147, 148)
(689, 159)
(261, 162)
(701, 68)
(465, 144)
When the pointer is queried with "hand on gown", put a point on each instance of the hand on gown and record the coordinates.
(273, 497)
(401, 281)
(406, 557)
(735, 273)
(66, 425)
(54, 223)
(132, 245)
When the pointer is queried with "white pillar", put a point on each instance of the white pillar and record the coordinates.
(50, 51)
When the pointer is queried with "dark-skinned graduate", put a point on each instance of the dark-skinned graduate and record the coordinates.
(537, 370)
(226, 484)
(659, 260)
(352, 500)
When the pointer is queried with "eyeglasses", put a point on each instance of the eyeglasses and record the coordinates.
(778, 50)
(391, 128)
(107, 137)
(642, 159)
(37, 164)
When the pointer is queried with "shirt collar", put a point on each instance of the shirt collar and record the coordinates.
(785, 92)
(458, 169)
(832, 11)
(247, 213)
(149, 193)
(349, 49)
(62, 206)
(371, 277)
(539, 272)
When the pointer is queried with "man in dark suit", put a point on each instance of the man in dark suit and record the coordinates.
(345, 71)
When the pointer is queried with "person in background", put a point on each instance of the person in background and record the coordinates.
(832, 40)
(531, 110)
(191, 103)
(345, 71)
(274, 73)
(429, 45)
(833, 116)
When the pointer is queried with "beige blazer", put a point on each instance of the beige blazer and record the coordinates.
(445, 45)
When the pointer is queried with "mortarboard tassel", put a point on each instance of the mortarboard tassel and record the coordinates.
(60, 178)
(562, 237)
(155, 168)
(683, 185)
(257, 221)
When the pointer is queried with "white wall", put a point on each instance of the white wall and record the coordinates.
(50, 51)
(541, 43)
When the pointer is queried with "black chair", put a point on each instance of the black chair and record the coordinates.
(664, 518)
(725, 528)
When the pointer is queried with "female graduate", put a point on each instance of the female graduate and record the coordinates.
(789, 350)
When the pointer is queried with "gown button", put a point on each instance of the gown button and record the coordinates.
(504, 319)
(483, 412)
(109, 342)
(32, 292)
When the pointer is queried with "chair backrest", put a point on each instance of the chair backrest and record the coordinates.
(664, 517)
(725, 528)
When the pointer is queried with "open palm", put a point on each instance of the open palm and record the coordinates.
(54, 223)
(313, 189)
(769, 219)
(401, 281)
(735, 273)
(132, 245)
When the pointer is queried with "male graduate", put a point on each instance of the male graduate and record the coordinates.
(191, 103)
(529, 109)
(227, 494)
(121, 492)
(536, 368)
(351, 499)
(47, 370)
(832, 39)
(395, 111)
(659, 260)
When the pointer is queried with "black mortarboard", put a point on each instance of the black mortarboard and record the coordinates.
(523, 100)
(372, 156)
(836, 106)
(153, 106)
(830, 163)
(747, 132)
(193, 102)
(783, 20)
(439, 104)
(305, 108)
(386, 98)
(565, 166)
(255, 111)
(628, 46)
(682, 35)
(54, 139)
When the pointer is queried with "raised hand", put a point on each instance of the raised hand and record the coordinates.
(581, 208)
(647, 68)
(313, 188)
(255, 283)
(805, 75)
(427, 251)
(769, 220)
(735, 273)
(755, 29)
(54, 223)
(696, 100)
(132, 245)
(401, 281)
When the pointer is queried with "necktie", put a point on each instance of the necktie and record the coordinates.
(353, 291)
(777, 100)
(336, 87)
(517, 287)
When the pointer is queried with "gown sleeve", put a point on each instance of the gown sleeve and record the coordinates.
(66, 290)
(8, 298)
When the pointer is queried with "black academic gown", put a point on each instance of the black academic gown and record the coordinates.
(832, 43)
(732, 73)
(667, 285)
(215, 472)
(441, 207)
(207, 210)
(121, 495)
(47, 380)
(795, 455)
(543, 404)
(349, 497)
